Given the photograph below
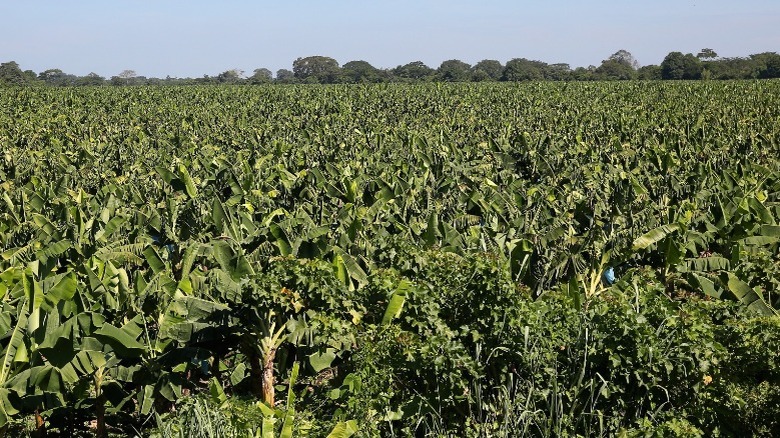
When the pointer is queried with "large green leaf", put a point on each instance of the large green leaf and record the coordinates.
(344, 429)
(432, 233)
(61, 287)
(707, 286)
(120, 340)
(111, 227)
(146, 399)
(216, 393)
(232, 262)
(218, 216)
(14, 343)
(321, 360)
(189, 184)
(154, 260)
(352, 267)
(746, 294)
(397, 300)
(7, 409)
(770, 231)
(705, 264)
(654, 235)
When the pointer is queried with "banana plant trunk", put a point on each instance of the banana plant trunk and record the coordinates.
(268, 377)
(100, 406)
(262, 371)
(40, 426)
(100, 411)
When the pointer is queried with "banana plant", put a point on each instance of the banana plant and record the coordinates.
(746, 223)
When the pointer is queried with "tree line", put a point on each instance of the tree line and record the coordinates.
(325, 70)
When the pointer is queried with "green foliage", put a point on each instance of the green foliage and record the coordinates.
(454, 70)
(358, 72)
(11, 74)
(319, 69)
(521, 69)
(487, 69)
(421, 259)
(746, 395)
(216, 415)
(678, 66)
(416, 71)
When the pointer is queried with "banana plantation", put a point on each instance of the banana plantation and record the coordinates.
(479, 260)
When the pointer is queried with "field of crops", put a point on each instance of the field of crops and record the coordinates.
(538, 259)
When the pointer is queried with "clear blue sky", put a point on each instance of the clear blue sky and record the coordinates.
(193, 38)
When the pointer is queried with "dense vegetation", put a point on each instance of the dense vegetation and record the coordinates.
(433, 260)
(621, 65)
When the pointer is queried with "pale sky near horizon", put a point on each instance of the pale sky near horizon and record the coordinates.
(192, 38)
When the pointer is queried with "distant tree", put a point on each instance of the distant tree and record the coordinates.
(766, 65)
(206, 79)
(621, 65)
(285, 76)
(91, 80)
(649, 73)
(557, 72)
(731, 68)
(50, 74)
(487, 69)
(11, 74)
(673, 66)
(693, 67)
(583, 74)
(232, 76)
(624, 57)
(611, 69)
(480, 76)
(707, 54)
(30, 76)
(178, 81)
(453, 70)
(316, 69)
(126, 77)
(521, 69)
(678, 66)
(772, 69)
(416, 70)
(356, 72)
(261, 76)
(57, 77)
